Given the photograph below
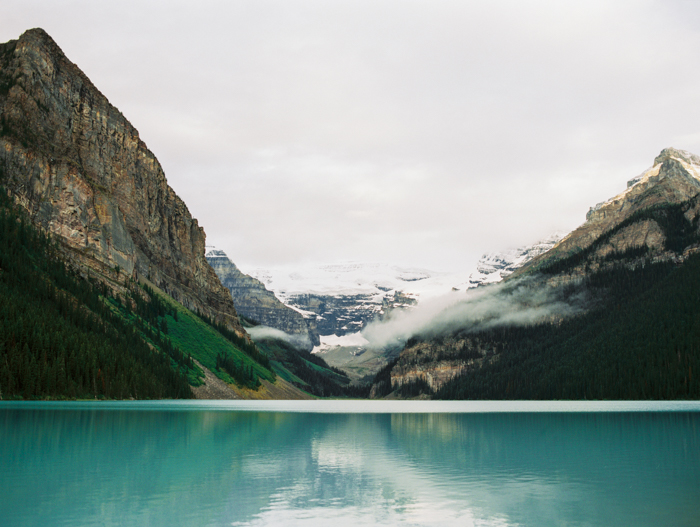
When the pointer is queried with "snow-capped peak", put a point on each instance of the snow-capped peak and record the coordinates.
(689, 161)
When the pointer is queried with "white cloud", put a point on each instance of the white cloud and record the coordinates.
(266, 332)
(521, 302)
(411, 132)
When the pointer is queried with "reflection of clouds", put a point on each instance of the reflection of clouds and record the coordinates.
(265, 468)
(255, 467)
(477, 469)
(420, 515)
(358, 475)
(487, 461)
(343, 457)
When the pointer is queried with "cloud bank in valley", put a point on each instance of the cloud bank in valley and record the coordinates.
(521, 302)
(266, 332)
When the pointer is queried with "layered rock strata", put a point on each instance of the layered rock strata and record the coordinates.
(438, 361)
(82, 172)
(256, 303)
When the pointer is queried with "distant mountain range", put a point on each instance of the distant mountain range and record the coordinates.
(341, 299)
(337, 301)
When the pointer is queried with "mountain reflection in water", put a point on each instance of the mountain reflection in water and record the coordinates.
(162, 466)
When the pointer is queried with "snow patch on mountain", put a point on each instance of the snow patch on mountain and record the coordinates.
(494, 267)
(374, 281)
(351, 340)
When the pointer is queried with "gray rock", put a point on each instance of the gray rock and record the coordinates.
(256, 303)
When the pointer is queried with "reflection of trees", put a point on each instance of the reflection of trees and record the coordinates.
(189, 460)
(214, 468)
(609, 459)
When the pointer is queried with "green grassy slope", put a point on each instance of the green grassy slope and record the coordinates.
(204, 343)
(64, 336)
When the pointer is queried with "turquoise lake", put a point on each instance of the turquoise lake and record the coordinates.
(339, 463)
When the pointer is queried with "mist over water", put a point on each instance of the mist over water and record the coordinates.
(178, 465)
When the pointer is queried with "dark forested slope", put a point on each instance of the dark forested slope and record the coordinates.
(642, 342)
(632, 274)
(62, 336)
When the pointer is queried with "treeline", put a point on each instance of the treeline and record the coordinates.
(246, 346)
(414, 388)
(148, 314)
(60, 339)
(239, 372)
(329, 383)
(641, 341)
(382, 380)
(318, 377)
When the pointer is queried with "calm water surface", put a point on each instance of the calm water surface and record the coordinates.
(349, 463)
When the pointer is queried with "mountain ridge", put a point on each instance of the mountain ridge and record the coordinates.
(673, 178)
(80, 180)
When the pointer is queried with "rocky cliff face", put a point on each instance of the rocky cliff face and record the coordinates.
(80, 169)
(438, 361)
(255, 302)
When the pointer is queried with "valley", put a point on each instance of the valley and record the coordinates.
(109, 292)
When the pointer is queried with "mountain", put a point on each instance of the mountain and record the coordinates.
(494, 267)
(106, 292)
(623, 222)
(83, 174)
(340, 300)
(259, 305)
(608, 313)
(62, 336)
(107, 252)
(283, 334)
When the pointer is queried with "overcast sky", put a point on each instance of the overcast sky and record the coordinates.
(419, 133)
